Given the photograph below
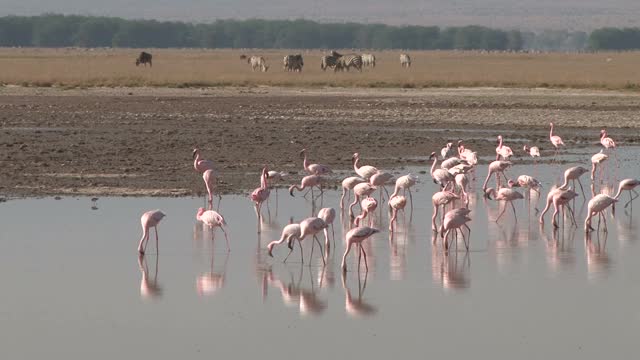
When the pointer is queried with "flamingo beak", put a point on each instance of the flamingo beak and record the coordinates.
(194, 153)
(291, 192)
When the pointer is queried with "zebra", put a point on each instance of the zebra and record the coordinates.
(349, 61)
(293, 63)
(368, 60)
(405, 60)
(257, 62)
(144, 58)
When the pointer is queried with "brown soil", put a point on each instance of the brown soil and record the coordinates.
(139, 141)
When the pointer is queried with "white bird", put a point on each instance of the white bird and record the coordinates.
(496, 167)
(360, 191)
(314, 169)
(213, 219)
(440, 176)
(200, 164)
(347, 185)
(507, 195)
(148, 220)
(573, 174)
(310, 227)
(328, 215)
(364, 171)
(405, 183)
(597, 205)
(629, 185)
(396, 203)
(289, 233)
(596, 160)
(447, 151)
(357, 236)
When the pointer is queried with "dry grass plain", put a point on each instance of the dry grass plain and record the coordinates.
(202, 68)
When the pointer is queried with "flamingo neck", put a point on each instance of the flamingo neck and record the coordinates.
(551, 131)
(355, 164)
(500, 142)
(435, 162)
(305, 162)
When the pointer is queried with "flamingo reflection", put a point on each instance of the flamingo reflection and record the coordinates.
(210, 282)
(598, 261)
(294, 294)
(149, 287)
(357, 307)
(448, 271)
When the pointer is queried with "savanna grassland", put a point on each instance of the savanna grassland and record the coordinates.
(212, 68)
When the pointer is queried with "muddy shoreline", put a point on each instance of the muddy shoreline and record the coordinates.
(138, 142)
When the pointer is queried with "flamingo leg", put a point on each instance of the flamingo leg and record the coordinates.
(631, 197)
(290, 251)
(514, 211)
(433, 219)
(411, 202)
(581, 188)
(301, 251)
(504, 207)
(156, 231)
(342, 198)
(321, 251)
(364, 253)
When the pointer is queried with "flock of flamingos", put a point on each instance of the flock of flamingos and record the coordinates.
(453, 175)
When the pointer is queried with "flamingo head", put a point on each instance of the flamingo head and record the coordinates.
(291, 190)
(200, 212)
(512, 183)
(525, 148)
(355, 156)
(302, 152)
(433, 154)
(270, 248)
(551, 124)
(488, 192)
(195, 153)
(449, 145)
(459, 142)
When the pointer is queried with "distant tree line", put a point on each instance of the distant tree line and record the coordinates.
(51, 30)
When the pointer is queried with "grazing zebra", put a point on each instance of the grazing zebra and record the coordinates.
(368, 60)
(258, 62)
(349, 61)
(144, 58)
(293, 63)
(329, 61)
(405, 60)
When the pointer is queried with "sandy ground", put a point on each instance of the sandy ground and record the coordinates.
(139, 141)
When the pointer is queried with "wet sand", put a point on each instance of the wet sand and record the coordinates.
(139, 141)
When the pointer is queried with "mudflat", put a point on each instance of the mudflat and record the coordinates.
(138, 141)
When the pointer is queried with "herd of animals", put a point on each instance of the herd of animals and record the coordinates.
(457, 166)
(295, 62)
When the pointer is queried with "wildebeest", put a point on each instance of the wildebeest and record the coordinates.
(144, 58)
(405, 60)
(293, 63)
(258, 62)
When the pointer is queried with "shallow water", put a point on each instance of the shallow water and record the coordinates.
(73, 286)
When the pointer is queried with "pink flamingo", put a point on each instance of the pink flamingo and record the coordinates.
(507, 195)
(503, 151)
(308, 182)
(463, 211)
(199, 164)
(496, 167)
(364, 171)
(314, 169)
(447, 151)
(310, 227)
(440, 176)
(210, 181)
(526, 182)
(357, 236)
(597, 205)
(441, 198)
(289, 233)
(454, 220)
(465, 154)
(560, 198)
(360, 191)
(213, 219)
(348, 185)
(150, 219)
(556, 141)
(405, 183)
(368, 205)
(396, 203)
(629, 185)
(261, 194)
(274, 177)
(328, 215)
(596, 160)
(378, 180)
(462, 180)
(533, 151)
(573, 174)
(606, 141)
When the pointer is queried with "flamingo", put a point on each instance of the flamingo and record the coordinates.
(308, 182)
(368, 206)
(314, 169)
(452, 162)
(379, 179)
(573, 174)
(261, 194)
(496, 167)
(465, 154)
(364, 171)
(200, 164)
(533, 151)
(149, 287)
(360, 191)
(455, 220)
(455, 212)
(310, 227)
(462, 180)
(440, 176)
(441, 198)
(347, 186)
(596, 160)
(275, 176)
(213, 219)
(149, 220)
(447, 151)
(597, 205)
(560, 198)
(629, 185)
(556, 141)
(503, 151)
(526, 182)
(357, 236)
(210, 181)
(328, 215)
(396, 203)
(606, 141)
(289, 233)
(504, 194)
(405, 183)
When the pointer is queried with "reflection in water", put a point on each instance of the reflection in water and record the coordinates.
(398, 255)
(357, 307)
(450, 269)
(598, 262)
(209, 282)
(149, 288)
(294, 294)
(560, 250)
